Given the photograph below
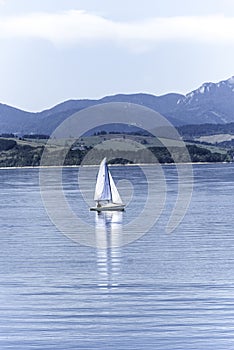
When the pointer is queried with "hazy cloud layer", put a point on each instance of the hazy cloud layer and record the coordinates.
(74, 26)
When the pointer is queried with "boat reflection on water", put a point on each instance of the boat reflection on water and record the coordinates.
(108, 241)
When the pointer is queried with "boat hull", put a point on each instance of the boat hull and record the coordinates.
(109, 207)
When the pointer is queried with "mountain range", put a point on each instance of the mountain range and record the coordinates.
(211, 103)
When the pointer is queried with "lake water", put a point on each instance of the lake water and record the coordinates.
(161, 291)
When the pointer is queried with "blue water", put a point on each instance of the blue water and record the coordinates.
(162, 291)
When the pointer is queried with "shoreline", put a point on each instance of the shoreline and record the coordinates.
(110, 165)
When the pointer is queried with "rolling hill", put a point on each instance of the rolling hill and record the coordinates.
(211, 103)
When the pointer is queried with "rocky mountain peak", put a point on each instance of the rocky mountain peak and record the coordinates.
(208, 92)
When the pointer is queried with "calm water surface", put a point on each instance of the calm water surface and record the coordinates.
(162, 291)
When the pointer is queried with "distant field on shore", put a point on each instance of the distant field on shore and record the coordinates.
(119, 148)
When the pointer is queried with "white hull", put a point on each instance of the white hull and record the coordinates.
(109, 206)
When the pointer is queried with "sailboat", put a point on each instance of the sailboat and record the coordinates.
(106, 194)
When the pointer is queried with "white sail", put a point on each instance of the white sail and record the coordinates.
(106, 191)
(114, 192)
(103, 188)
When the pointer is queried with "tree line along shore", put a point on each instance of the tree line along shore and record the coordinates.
(27, 151)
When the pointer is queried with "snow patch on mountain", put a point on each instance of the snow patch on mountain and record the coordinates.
(202, 89)
(231, 80)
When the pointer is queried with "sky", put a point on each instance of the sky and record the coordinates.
(55, 50)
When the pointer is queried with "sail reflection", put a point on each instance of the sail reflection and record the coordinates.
(108, 240)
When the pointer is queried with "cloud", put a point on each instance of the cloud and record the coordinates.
(81, 27)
